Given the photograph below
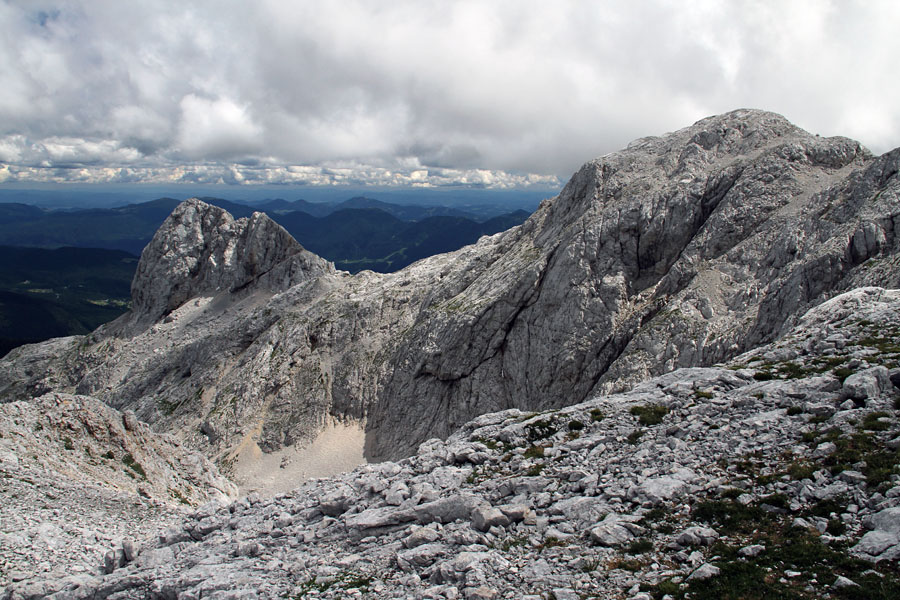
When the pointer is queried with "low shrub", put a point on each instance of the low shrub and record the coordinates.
(650, 414)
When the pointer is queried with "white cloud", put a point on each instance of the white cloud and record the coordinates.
(504, 88)
(215, 129)
(354, 175)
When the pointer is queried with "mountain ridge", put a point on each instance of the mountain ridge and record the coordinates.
(568, 304)
(391, 232)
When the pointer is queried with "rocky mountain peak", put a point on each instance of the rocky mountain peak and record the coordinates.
(697, 161)
(681, 250)
(201, 250)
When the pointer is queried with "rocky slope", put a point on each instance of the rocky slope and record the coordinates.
(682, 250)
(772, 476)
(78, 477)
(83, 439)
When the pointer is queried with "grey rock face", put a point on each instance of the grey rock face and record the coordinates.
(200, 250)
(678, 251)
(79, 478)
(82, 439)
(866, 384)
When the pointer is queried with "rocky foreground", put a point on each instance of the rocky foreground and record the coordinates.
(772, 476)
(77, 477)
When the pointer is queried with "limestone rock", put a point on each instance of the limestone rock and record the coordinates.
(495, 527)
(485, 517)
(704, 571)
(200, 250)
(698, 536)
(83, 439)
(614, 531)
(866, 384)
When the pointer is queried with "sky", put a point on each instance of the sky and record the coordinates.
(416, 93)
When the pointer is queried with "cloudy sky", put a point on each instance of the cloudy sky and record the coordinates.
(492, 93)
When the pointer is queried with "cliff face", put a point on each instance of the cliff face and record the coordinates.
(678, 251)
(682, 250)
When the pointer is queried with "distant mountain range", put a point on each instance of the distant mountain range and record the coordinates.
(359, 233)
(404, 212)
(67, 272)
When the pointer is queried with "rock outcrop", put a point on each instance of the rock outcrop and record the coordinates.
(769, 476)
(678, 251)
(200, 250)
(87, 441)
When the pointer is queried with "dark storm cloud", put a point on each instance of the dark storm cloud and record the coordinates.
(416, 92)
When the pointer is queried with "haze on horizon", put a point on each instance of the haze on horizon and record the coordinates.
(506, 94)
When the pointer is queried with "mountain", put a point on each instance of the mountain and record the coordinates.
(13, 212)
(44, 294)
(408, 207)
(316, 209)
(371, 238)
(678, 251)
(404, 212)
(126, 228)
(740, 241)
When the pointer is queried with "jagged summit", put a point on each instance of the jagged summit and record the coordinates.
(677, 251)
(202, 250)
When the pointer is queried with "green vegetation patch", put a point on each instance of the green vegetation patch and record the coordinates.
(861, 446)
(843, 373)
(730, 517)
(489, 443)
(540, 429)
(534, 452)
(801, 469)
(639, 546)
(650, 414)
(135, 466)
(346, 581)
(167, 407)
(786, 548)
(535, 470)
(575, 425)
(873, 421)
